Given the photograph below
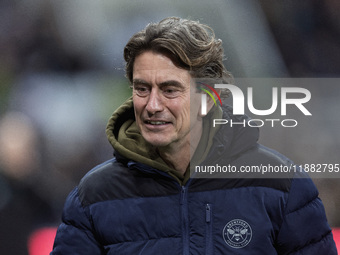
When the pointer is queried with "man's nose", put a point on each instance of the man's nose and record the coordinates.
(155, 103)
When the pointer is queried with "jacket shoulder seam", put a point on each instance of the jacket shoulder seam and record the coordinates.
(303, 206)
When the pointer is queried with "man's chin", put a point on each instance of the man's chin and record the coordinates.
(157, 143)
(157, 140)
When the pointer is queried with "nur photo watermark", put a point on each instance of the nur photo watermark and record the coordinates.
(238, 106)
(292, 119)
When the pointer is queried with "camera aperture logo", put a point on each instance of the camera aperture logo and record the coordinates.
(239, 105)
(204, 97)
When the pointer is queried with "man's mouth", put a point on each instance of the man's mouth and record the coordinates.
(156, 122)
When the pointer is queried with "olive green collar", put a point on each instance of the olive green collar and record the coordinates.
(124, 136)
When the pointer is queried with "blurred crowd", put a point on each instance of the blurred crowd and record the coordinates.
(308, 35)
(61, 77)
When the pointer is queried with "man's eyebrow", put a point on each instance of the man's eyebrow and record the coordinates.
(171, 83)
(162, 84)
(140, 81)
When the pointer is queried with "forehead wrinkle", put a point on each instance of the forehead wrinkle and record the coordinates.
(151, 68)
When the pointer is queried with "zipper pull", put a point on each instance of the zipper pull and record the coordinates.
(207, 213)
(182, 195)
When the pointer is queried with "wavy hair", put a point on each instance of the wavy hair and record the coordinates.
(190, 45)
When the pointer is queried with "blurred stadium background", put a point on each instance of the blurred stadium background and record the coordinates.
(62, 76)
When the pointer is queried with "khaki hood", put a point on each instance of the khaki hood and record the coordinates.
(126, 140)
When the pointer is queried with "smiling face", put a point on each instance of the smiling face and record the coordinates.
(161, 97)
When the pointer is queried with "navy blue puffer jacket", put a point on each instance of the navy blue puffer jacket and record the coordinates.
(126, 207)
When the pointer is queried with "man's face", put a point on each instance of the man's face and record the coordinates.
(161, 97)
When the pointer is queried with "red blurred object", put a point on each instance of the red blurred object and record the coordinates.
(336, 236)
(41, 241)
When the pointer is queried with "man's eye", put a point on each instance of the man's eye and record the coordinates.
(141, 91)
(170, 92)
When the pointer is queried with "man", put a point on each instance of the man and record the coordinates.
(144, 200)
